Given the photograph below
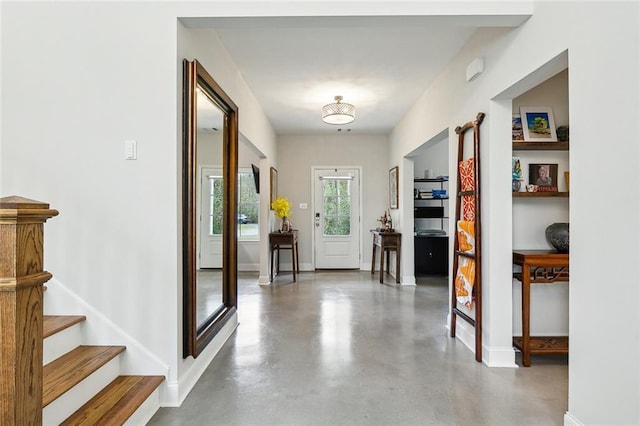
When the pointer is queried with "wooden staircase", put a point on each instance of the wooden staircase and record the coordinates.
(47, 376)
(82, 386)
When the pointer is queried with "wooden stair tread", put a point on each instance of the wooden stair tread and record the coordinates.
(53, 324)
(70, 369)
(116, 402)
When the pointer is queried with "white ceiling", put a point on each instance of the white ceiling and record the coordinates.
(382, 65)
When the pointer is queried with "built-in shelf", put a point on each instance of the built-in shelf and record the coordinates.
(442, 179)
(539, 194)
(431, 198)
(540, 146)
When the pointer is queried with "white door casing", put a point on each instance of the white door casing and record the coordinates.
(336, 218)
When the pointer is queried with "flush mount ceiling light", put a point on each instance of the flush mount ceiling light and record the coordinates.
(338, 113)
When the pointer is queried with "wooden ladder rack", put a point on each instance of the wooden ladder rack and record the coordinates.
(477, 254)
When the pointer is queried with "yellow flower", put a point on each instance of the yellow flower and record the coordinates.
(281, 206)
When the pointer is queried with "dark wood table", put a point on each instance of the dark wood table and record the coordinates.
(284, 241)
(539, 267)
(387, 241)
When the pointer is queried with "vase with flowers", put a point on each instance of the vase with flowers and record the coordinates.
(282, 207)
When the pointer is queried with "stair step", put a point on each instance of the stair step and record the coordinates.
(117, 402)
(70, 369)
(55, 323)
(61, 334)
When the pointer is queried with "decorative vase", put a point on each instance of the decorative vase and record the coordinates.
(516, 184)
(286, 225)
(558, 236)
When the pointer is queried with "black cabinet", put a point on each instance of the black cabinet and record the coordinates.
(431, 255)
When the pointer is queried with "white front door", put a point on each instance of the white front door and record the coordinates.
(210, 224)
(337, 218)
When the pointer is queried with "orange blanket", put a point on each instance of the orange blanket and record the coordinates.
(466, 236)
(465, 278)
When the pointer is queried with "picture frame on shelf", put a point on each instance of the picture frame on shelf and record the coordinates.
(393, 188)
(538, 124)
(517, 134)
(544, 177)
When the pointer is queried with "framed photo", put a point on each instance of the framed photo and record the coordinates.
(273, 182)
(393, 188)
(544, 177)
(516, 128)
(538, 124)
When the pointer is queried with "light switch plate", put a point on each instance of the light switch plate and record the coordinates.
(130, 150)
(303, 206)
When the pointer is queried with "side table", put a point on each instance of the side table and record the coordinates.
(539, 267)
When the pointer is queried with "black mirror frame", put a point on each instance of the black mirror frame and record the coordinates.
(195, 336)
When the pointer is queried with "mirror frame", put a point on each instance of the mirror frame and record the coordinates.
(197, 336)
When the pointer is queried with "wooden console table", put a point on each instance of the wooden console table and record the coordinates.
(284, 241)
(539, 267)
(387, 241)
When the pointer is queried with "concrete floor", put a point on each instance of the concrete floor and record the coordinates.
(339, 348)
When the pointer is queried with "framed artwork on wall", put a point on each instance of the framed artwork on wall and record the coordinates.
(273, 182)
(393, 188)
(538, 124)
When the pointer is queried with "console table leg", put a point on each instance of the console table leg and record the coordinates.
(398, 264)
(382, 253)
(526, 300)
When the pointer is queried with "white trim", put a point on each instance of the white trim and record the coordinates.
(408, 280)
(252, 267)
(571, 420)
(263, 280)
(99, 329)
(174, 394)
(312, 218)
(499, 357)
(466, 334)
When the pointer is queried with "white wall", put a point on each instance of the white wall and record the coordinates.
(603, 84)
(299, 153)
(78, 79)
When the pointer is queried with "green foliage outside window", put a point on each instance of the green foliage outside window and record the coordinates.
(248, 206)
(337, 206)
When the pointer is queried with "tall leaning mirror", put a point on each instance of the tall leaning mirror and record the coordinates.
(210, 166)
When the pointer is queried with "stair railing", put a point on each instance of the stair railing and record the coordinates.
(22, 281)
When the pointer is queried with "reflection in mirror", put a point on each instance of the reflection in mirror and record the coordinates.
(210, 165)
(209, 120)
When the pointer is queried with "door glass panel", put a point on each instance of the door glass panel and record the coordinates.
(337, 206)
(215, 211)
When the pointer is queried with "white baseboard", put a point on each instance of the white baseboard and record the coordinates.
(174, 394)
(248, 267)
(571, 420)
(264, 280)
(409, 280)
(467, 334)
(499, 357)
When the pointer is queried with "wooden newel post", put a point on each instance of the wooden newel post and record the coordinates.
(21, 309)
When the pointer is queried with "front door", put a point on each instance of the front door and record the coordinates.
(337, 218)
(210, 238)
